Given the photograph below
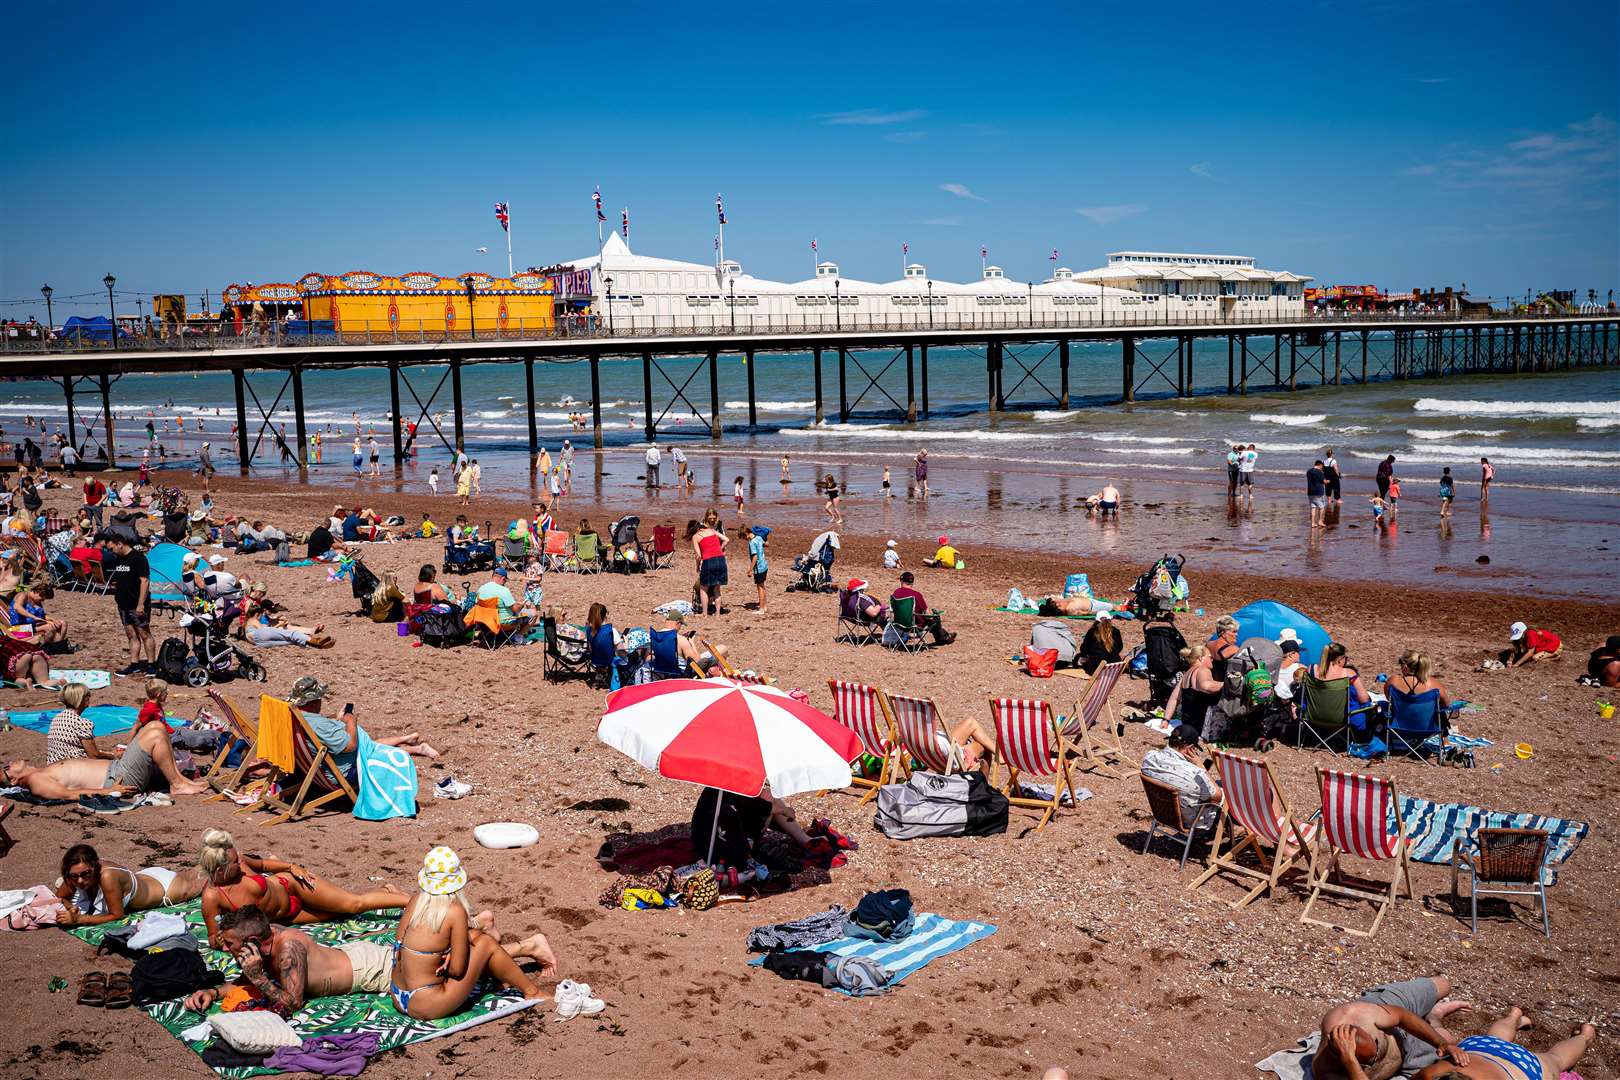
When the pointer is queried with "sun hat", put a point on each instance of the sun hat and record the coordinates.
(856, 584)
(891, 543)
(1517, 631)
(308, 689)
(441, 873)
(1105, 615)
(944, 540)
(199, 515)
(1288, 634)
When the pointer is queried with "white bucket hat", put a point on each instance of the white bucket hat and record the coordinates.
(441, 873)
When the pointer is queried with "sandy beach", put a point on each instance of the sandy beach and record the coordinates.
(1103, 961)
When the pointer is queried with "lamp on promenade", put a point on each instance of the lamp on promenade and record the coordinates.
(930, 303)
(1030, 301)
(608, 299)
(472, 294)
(838, 310)
(112, 309)
(734, 305)
(50, 320)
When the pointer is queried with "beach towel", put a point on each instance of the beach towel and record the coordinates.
(387, 786)
(1435, 829)
(1293, 1063)
(29, 908)
(104, 719)
(932, 936)
(276, 733)
(297, 562)
(325, 1016)
(95, 680)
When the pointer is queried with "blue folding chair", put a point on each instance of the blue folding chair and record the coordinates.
(1414, 719)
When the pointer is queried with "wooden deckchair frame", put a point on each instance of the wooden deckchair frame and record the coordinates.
(1102, 750)
(1272, 866)
(1061, 751)
(890, 765)
(1326, 865)
(334, 786)
(217, 775)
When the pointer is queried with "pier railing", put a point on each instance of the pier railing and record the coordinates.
(32, 338)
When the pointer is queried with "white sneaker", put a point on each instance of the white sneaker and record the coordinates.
(451, 788)
(574, 999)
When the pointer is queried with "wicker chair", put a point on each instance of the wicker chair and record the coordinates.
(1170, 818)
(1504, 857)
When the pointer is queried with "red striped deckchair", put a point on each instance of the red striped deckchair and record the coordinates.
(921, 732)
(1277, 839)
(1091, 729)
(864, 710)
(1028, 742)
(1355, 821)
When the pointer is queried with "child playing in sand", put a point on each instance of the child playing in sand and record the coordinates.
(433, 480)
(429, 530)
(891, 556)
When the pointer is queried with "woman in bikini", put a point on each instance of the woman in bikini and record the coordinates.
(93, 892)
(441, 949)
(1496, 1056)
(288, 893)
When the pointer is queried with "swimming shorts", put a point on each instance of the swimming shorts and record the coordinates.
(373, 965)
(134, 768)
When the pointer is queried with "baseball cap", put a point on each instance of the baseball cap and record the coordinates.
(1517, 631)
(891, 543)
(1105, 616)
(499, 571)
(908, 577)
(856, 584)
(1184, 735)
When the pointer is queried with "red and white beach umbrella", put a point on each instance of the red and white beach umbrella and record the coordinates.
(736, 737)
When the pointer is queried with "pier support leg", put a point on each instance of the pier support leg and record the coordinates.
(107, 420)
(753, 410)
(534, 426)
(298, 419)
(1063, 374)
(1518, 341)
(1338, 379)
(1293, 361)
(72, 421)
(237, 378)
(714, 394)
(1128, 367)
(1243, 364)
(646, 394)
(843, 392)
(455, 395)
(393, 410)
(817, 352)
(596, 403)
(1231, 342)
(1365, 334)
(925, 380)
(911, 385)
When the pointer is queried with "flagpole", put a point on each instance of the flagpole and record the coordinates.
(508, 232)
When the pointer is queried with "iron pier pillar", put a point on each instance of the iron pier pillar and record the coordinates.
(107, 419)
(925, 378)
(646, 393)
(1128, 367)
(596, 404)
(393, 407)
(534, 425)
(714, 394)
(911, 385)
(843, 395)
(1063, 374)
(298, 418)
(238, 377)
(753, 408)
(455, 394)
(817, 354)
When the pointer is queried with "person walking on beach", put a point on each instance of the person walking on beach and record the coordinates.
(542, 464)
(737, 497)
(433, 480)
(678, 456)
(555, 487)
(922, 473)
(1487, 473)
(654, 459)
(787, 477)
(359, 458)
(567, 457)
(888, 488)
(1330, 470)
(1448, 491)
(1386, 469)
(1316, 493)
(759, 563)
(1234, 458)
(829, 487)
(371, 446)
(1246, 464)
(709, 545)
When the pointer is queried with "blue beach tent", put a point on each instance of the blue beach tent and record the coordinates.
(99, 328)
(164, 559)
(1267, 619)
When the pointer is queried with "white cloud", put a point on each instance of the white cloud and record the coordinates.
(872, 117)
(961, 191)
(1107, 215)
(1201, 169)
(1582, 152)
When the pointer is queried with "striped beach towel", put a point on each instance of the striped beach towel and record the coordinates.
(932, 936)
(1435, 829)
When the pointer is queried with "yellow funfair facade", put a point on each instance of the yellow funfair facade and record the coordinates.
(361, 302)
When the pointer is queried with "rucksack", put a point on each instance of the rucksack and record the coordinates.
(1051, 634)
(171, 660)
(931, 804)
(1164, 584)
(442, 625)
(1258, 688)
(363, 583)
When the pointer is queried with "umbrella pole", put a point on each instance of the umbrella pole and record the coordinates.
(714, 831)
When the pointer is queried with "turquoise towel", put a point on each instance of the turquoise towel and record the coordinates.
(105, 719)
(932, 936)
(387, 781)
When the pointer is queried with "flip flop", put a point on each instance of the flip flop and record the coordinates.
(93, 989)
(120, 991)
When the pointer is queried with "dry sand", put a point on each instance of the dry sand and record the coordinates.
(1103, 963)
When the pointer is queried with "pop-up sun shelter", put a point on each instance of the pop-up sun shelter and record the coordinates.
(1268, 619)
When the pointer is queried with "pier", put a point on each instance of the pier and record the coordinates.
(878, 368)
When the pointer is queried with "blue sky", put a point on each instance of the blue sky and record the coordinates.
(184, 149)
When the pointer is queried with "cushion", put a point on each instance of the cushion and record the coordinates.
(254, 1031)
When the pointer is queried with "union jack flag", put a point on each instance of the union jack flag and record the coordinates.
(502, 216)
(720, 209)
(1054, 254)
(905, 248)
(626, 215)
(812, 245)
(984, 253)
(597, 198)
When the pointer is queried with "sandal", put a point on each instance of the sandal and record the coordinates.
(120, 991)
(93, 990)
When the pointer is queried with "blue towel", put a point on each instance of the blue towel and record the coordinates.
(387, 781)
(106, 719)
(1436, 828)
(933, 936)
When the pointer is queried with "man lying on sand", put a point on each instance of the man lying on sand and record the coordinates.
(286, 968)
(1390, 1030)
(146, 759)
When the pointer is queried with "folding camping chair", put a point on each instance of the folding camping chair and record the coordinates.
(1355, 821)
(1170, 817)
(321, 781)
(1325, 712)
(588, 553)
(921, 732)
(904, 631)
(1414, 719)
(217, 774)
(1512, 857)
(855, 631)
(94, 578)
(484, 619)
(1278, 840)
(663, 547)
(554, 663)
(865, 711)
(1028, 740)
(558, 551)
(1093, 732)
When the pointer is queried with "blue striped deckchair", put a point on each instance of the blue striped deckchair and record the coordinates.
(1435, 828)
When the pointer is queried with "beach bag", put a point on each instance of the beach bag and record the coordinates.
(1258, 688)
(700, 891)
(171, 660)
(930, 804)
(1040, 663)
(442, 625)
(1163, 586)
(1076, 585)
(1016, 601)
(1050, 634)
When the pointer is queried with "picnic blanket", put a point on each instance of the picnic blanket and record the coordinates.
(95, 680)
(1032, 610)
(1436, 827)
(296, 562)
(105, 719)
(374, 1013)
(932, 936)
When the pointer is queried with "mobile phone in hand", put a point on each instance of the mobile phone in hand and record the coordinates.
(348, 707)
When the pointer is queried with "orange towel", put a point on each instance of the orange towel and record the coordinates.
(276, 732)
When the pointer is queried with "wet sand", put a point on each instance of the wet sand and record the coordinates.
(1104, 962)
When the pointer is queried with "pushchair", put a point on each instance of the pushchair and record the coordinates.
(628, 556)
(1160, 589)
(1161, 645)
(814, 567)
(468, 558)
(214, 657)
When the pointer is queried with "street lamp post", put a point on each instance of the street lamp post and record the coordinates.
(838, 303)
(50, 320)
(734, 306)
(607, 298)
(472, 295)
(930, 303)
(1030, 305)
(112, 309)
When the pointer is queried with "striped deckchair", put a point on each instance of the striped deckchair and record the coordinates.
(317, 775)
(920, 730)
(1028, 742)
(1356, 816)
(1253, 802)
(216, 774)
(864, 710)
(1092, 731)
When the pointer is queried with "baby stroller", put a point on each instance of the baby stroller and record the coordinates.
(814, 567)
(1161, 645)
(214, 657)
(468, 558)
(628, 556)
(1158, 591)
